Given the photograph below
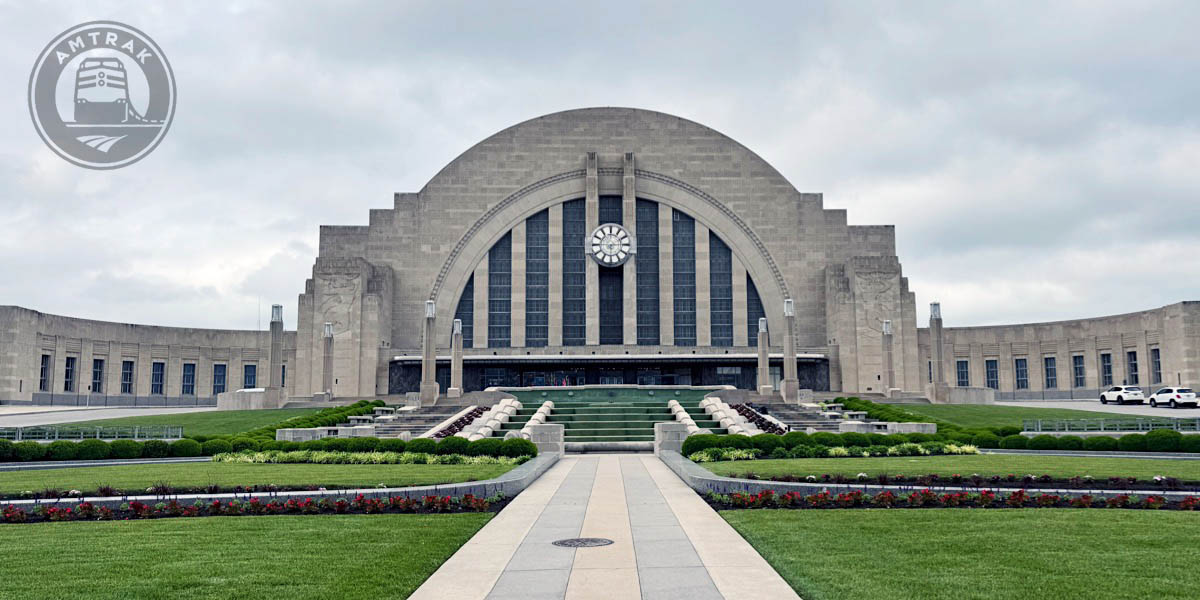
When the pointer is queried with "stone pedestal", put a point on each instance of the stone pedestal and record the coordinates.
(669, 436)
(429, 385)
(790, 387)
(548, 438)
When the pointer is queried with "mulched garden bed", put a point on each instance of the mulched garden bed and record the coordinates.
(929, 499)
(86, 511)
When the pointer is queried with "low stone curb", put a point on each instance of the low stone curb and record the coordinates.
(509, 484)
(703, 481)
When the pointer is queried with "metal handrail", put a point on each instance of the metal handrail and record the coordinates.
(76, 432)
(1130, 425)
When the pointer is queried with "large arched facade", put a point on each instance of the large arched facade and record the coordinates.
(497, 240)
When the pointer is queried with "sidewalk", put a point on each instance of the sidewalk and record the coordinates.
(667, 542)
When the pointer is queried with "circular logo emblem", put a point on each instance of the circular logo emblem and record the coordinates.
(102, 95)
(610, 245)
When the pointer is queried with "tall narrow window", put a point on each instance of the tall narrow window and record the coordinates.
(1155, 366)
(44, 376)
(282, 376)
(97, 375)
(611, 308)
(683, 242)
(648, 333)
(249, 376)
(1131, 361)
(992, 368)
(158, 376)
(1021, 366)
(1078, 371)
(720, 285)
(574, 261)
(127, 377)
(219, 377)
(69, 375)
(609, 210)
(754, 312)
(537, 279)
(1050, 367)
(1106, 369)
(500, 293)
(189, 380)
(466, 312)
(964, 373)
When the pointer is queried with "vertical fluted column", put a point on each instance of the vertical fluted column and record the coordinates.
(592, 208)
(791, 384)
(889, 364)
(629, 270)
(456, 362)
(429, 386)
(327, 365)
(764, 362)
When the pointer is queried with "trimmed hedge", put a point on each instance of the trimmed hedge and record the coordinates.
(767, 442)
(385, 445)
(1190, 443)
(420, 446)
(92, 450)
(704, 441)
(986, 440)
(6, 450)
(1014, 442)
(484, 447)
(1100, 443)
(517, 447)
(1134, 442)
(124, 449)
(453, 445)
(1043, 442)
(186, 448)
(28, 451)
(243, 443)
(791, 439)
(1070, 442)
(62, 450)
(1163, 440)
(363, 444)
(212, 447)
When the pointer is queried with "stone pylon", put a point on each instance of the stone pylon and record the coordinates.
(327, 366)
(456, 362)
(764, 362)
(276, 375)
(790, 387)
(429, 385)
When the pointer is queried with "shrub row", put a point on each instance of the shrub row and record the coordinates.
(327, 417)
(768, 442)
(714, 454)
(1159, 440)
(86, 511)
(99, 449)
(323, 457)
(929, 499)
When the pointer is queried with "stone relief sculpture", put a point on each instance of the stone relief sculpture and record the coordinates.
(339, 294)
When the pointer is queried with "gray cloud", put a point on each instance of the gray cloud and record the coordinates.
(1038, 160)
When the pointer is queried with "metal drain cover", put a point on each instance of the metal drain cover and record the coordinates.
(583, 542)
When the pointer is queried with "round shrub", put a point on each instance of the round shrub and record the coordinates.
(737, 441)
(200, 438)
(1007, 430)
(364, 444)
(1043, 442)
(390, 445)
(289, 446)
(186, 448)
(792, 439)
(242, 443)
(156, 449)
(91, 450)
(824, 438)
(1014, 442)
(516, 447)
(28, 451)
(1190, 443)
(269, 445)
(337, 444)
(986, 440)
(878, 439)
(6, 450)
(859, 440)
(918, 438)
(423, 446)
(1163, 440)
(766, 442)
(1099, 443)
(453, 445)
(1134, 442)
(313, 444)
(960, 437)
(62, 450)
(895, 439)
(1070, 442)
(124, 449)
(213, 447)
(484, 447)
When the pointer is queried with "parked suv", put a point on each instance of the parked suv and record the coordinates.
(1173, 397)
(1122, 394)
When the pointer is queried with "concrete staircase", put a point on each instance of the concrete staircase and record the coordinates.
(416, 422)
(798, 419)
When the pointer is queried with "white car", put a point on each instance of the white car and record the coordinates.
(1173, 397)
(1122, 394)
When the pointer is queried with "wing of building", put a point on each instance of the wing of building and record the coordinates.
(602, 245)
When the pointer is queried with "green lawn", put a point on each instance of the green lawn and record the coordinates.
(139, 477)
(980, 415)
(216, 422)
(284, 557)
(1048, 554)
(984, 464)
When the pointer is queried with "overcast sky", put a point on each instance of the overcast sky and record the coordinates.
(1039, 162)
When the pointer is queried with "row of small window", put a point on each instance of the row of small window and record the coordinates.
(158, 377)
(1050, 371)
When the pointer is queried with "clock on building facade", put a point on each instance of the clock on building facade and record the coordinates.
(610, 245)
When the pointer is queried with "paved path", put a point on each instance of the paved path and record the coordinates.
(667, 542)
(1133, 410)
(59, 415)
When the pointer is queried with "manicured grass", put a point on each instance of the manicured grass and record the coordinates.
(283, 557)
(984, 464)
(216, 422)
(979, 415)
(1049, 554)
(139, 477)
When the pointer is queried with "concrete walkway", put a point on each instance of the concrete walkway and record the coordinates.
(667, 542)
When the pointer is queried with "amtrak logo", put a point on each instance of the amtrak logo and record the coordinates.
(102, 95)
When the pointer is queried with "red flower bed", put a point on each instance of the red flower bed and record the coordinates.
(926, 498)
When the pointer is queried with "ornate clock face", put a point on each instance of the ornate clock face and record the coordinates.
(610, 245)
